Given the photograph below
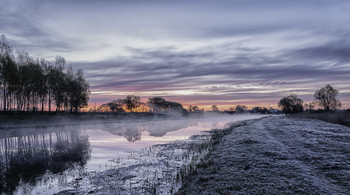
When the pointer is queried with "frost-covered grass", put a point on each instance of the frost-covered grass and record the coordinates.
(155, 170)
(277, 155)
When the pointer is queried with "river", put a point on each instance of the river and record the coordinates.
(45, 160)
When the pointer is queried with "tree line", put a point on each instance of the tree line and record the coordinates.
(239, 109)
(326, 97)
(132, 103)
(30, 85)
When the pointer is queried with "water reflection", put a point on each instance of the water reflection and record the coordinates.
(132, 131)
(23, 159)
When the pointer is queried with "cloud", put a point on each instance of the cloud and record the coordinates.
(249, 75)
(333, 51)
(21, 21)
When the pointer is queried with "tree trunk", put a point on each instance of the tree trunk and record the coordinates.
(4, 99)
(42, 103)
(49, 101)
(33, 103)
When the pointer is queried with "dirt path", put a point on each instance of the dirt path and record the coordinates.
(278, 155)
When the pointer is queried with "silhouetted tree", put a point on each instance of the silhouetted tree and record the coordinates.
(44, 83)
(291, 104)
(241, 108)
(132, 102)
(214, 108)
(116, 105)
(156, 104)
(59, 86)
(79, 92)
(193, 108)
(231, 109)
(310, 106)
(173, 106)
(327, 98)
(8, 74)
(159, 104)
(261, 110)
(26, 84)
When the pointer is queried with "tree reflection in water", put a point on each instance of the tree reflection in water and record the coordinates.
(24, 159)
(132, 131)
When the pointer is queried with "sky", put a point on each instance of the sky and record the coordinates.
(202, 52)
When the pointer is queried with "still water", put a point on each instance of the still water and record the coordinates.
(46, 160)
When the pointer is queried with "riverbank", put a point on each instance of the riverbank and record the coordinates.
(277, 155)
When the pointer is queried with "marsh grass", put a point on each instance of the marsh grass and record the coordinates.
(342, 118)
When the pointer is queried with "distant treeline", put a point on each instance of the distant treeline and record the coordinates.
(132, 103)
(29, 85)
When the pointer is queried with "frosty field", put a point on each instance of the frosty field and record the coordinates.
(277, 155)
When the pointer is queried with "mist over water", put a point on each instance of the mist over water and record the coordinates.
(45, 160)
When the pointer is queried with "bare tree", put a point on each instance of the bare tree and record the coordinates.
(132, 102)
(231, 109)
(241, 108)
(291, 104)
(310, 106)
(261, 110)
(193, 108)
(8, 74)
(214, 108)
(156, 104)
(116, 105)
(78, 91)
(27, 83)
(326, 97)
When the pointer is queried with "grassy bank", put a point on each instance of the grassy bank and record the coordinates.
(189, 171)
